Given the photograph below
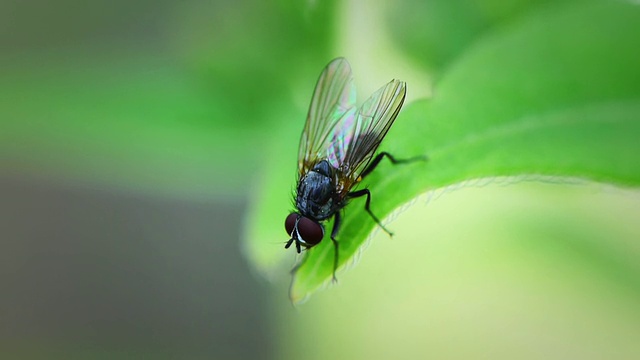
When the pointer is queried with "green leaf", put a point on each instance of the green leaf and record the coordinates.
(554, 93)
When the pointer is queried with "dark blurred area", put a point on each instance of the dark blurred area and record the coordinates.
(69, 24)
(90, 272)
(124, 133)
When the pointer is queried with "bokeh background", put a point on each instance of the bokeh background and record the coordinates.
(131, 137)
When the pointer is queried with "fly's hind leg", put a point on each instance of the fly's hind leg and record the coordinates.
(355, 194)
(367, 204)
(376, 160)
(372, 165)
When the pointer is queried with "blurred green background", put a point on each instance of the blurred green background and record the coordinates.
(134, 137)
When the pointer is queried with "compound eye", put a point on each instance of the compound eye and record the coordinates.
(290, 223)
(310, 231)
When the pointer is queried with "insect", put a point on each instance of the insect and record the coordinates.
(336, 152)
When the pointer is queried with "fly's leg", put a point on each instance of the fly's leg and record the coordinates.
(376, 161)
(366, 192)
(355, 194)
(291, 241)
(334, 233)
(372, 165)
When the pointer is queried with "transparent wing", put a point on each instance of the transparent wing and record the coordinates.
(372, 122)
(333, 98)
(341, 138)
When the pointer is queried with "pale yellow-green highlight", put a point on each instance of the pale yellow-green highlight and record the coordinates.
(524, 271)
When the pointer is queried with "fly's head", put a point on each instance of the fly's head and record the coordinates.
(303, 231)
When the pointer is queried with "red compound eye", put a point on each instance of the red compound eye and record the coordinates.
(290, 222)
(310, 231)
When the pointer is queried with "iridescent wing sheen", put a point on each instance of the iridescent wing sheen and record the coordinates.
(333, 99)
(341, 137)
(358, 141)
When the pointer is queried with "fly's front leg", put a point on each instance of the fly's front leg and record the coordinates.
(334, 233)
(376, 161)
(366, 192)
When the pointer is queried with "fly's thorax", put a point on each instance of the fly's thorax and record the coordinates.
(324, 168)
(316, 192)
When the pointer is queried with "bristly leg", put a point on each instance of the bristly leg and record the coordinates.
(372, 165)
(366, 192)
(336, 224)
(376, 160)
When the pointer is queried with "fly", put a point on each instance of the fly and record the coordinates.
(336, 152)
